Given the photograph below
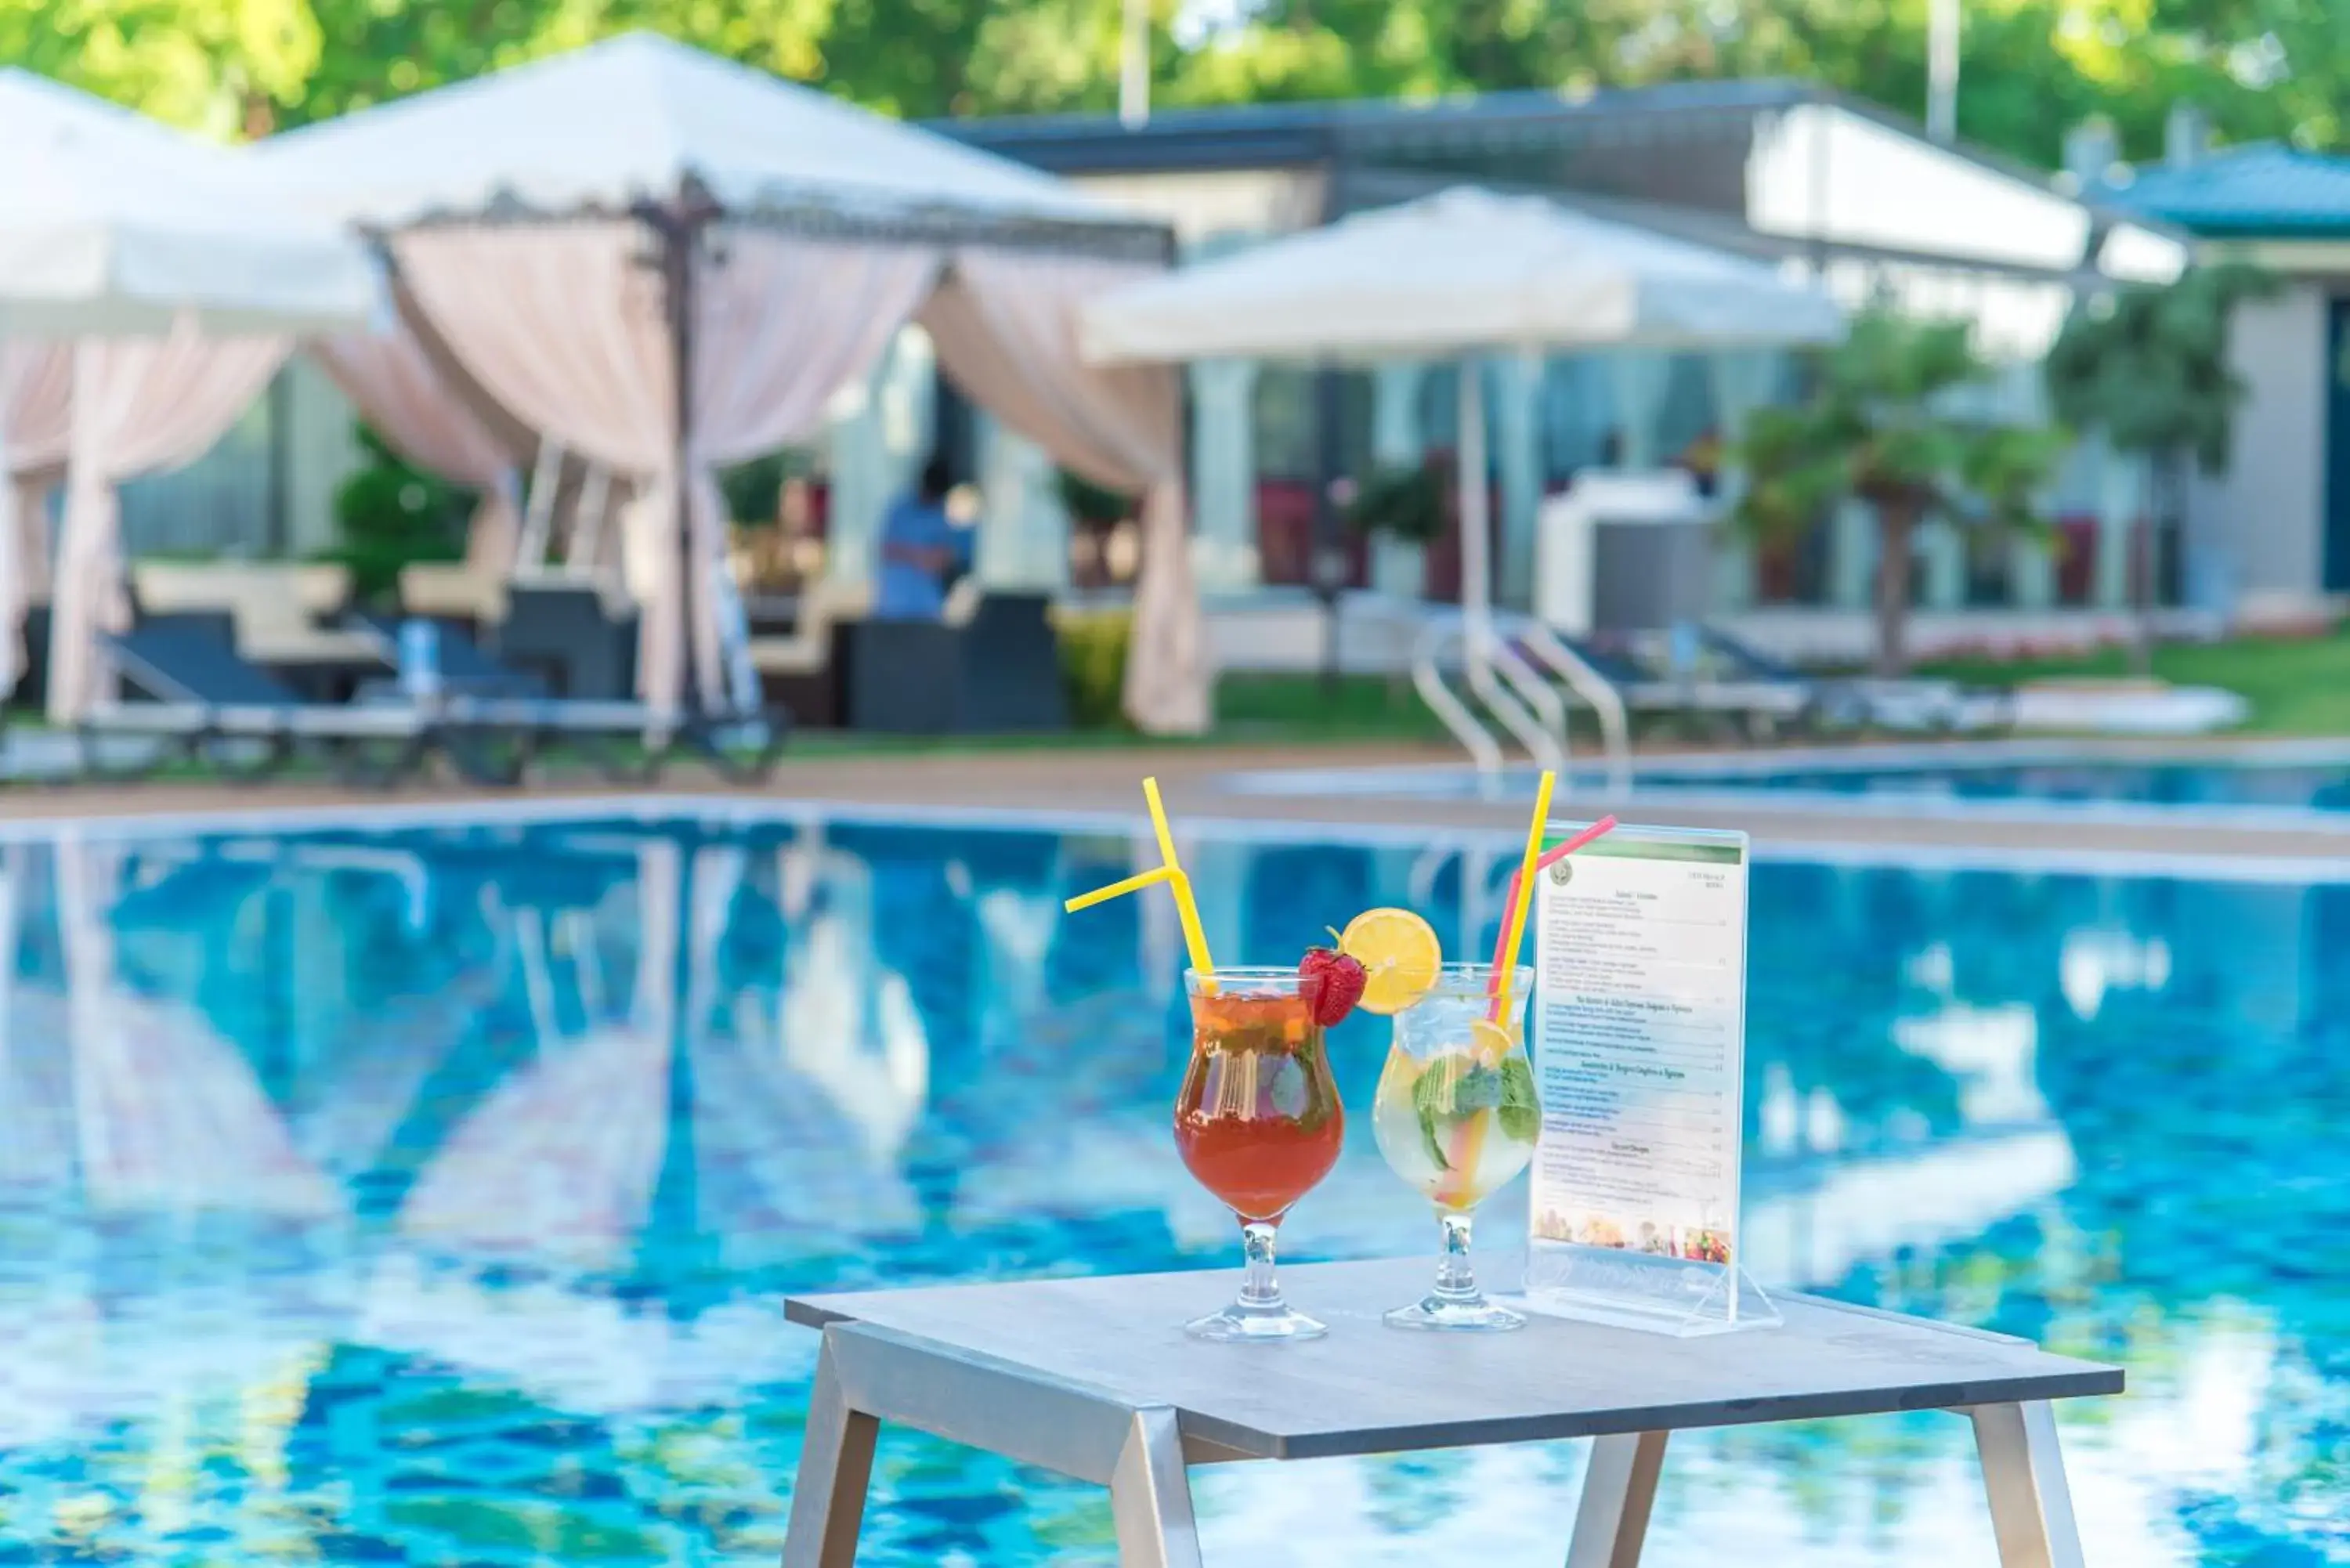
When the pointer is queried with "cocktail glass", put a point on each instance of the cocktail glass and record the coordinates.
(1258, 1124)
(1455, 1116)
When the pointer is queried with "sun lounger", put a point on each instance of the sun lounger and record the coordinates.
(1858, 702)
(1763, 704)
(207, 703)
(210, 703)
(493, 720)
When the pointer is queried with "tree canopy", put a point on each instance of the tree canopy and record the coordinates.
(1875, 427)
(2149, 367)
(2260, 68)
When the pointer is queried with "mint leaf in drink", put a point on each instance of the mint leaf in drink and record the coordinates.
(1521, 1108)
(1431, 1096)
(1479, 1090)
(1435, 1144)
(1432, 1099)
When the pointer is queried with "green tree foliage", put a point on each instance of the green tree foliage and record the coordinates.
(2262, 69)
(383, 49)
(1407, 504)
(1875, 428)
(2148, 368)
(221, 67)
(389, 513)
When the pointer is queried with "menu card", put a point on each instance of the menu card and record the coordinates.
(1639, 1037)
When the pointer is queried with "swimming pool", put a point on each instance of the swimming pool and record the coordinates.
(427, 1195)
(2295, 784)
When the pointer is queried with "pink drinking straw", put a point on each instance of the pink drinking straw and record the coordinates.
(1549, 858)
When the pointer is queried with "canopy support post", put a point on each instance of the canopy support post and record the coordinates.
(679, 227)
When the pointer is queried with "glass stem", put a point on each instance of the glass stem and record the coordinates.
(1455, 1279)
(1260, 1289)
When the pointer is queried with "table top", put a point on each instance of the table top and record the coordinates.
(1368, 1388)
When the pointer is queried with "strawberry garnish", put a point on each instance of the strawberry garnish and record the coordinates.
(1336, 983)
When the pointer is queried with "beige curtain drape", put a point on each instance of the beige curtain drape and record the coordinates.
(139, 406)
(36, 411)
(1005, 330)
(565, 326)
(561, 324)
(390, 378)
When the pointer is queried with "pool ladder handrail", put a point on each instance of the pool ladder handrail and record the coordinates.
(1518, 697)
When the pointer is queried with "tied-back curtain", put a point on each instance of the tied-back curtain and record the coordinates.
(36, 413)
(1006, 327)
(782, 324)
(391, 381)
(139, 406)
(565, 326)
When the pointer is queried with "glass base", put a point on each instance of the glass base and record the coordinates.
(1473, 1315)
(1240, 1323)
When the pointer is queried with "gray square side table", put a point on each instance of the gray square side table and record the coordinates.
(1094, 1378)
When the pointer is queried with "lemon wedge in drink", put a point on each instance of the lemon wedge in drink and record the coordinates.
(1489, 1042)
(1400, 954)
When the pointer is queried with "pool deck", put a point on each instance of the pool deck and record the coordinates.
(1195, 781)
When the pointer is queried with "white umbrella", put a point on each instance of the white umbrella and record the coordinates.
(113, 225)
(1463, 272)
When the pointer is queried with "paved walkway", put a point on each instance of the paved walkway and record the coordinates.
(1107, 780)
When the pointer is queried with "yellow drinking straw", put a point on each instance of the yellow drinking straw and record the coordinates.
(1134, 884)
(1169, 871)
(1516, 926)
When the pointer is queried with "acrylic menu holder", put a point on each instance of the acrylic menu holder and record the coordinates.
(1639, 1042)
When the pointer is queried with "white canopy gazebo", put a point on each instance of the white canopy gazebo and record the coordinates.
(147, 295)
(1464, 272)
(668, 263)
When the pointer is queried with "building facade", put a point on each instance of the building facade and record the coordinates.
(1786, 173)
(2277, 519)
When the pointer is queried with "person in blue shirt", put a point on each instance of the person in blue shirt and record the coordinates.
(922, 552)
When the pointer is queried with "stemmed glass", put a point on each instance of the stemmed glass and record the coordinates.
(1455, 1116)
(1258, 1124)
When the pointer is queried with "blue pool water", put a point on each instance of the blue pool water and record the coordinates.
(428, 1196)
(1999, 778)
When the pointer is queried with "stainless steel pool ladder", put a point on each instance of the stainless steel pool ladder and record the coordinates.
(1520, 700)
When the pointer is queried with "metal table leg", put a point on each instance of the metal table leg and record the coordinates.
(1151, 1496)
(1618, 1490)
(867, 1375)
(835, 1464)
(2023, 1472)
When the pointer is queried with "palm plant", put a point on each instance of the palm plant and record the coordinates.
(1877, 428)
(2149, 367)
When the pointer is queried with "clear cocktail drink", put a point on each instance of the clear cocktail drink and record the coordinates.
(1457, 1115)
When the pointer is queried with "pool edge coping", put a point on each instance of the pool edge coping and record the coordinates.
(2279, 868)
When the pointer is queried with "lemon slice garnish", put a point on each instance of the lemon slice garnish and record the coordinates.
(1400, 954)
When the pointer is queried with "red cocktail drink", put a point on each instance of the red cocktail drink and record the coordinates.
(1258, 1124)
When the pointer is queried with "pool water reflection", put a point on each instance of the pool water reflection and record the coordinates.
(429, 1196)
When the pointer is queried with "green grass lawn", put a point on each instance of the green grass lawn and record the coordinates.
(1251, 709)
(2296, 685)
